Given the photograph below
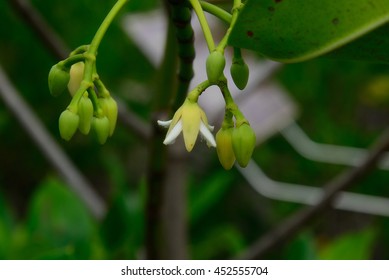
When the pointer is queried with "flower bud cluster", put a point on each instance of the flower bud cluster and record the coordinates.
(235, 143)
(91, 107)
(84, 118)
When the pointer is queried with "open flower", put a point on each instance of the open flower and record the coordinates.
(190, 119)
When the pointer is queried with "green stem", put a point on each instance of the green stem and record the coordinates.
(237, 55)
(73, 106)
(91, 53)
(236, 4)
(90, 62)
(235, 13)
(104, 26)
(204, 24)
(230, 103)
(216, 11)
(101, 89)
(95, 101)
(222, 84)
(72, 60)
(228, 121)
(193, 96)
(79, 50)
(89, 56)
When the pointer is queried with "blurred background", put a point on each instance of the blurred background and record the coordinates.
(335, 102)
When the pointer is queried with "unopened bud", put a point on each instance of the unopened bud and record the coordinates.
(243, 143)
(85, 112)
(101, 127)
(58, 79)
(76, 76)
(239, 73)
(68, 124)
(110, 109)
(224, 148)
(215, 65)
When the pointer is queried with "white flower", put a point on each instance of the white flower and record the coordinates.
(190, 119)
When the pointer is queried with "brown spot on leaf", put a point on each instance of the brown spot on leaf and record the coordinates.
(335, 21)
(278, 1)
(250, 33)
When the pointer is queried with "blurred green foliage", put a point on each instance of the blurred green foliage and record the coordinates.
(340, 102)
(350, 246)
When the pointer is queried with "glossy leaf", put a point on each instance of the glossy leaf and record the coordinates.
(292, 31)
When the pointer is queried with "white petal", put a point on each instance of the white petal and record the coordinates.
(171, 137)
(164, 123)
(211, 127)
(207, 135)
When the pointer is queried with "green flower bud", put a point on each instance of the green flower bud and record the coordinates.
(58, 79)
(101, 127)
(215, 65)
(85, 112)
(68, 123)
(239, 73)
(224, 148)
(110, 109)
(76, 76)
(243, 143)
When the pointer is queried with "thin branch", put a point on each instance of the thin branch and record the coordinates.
(286, 229)
(180, 44)
(174, 216)
(49, 147)
(156, 175)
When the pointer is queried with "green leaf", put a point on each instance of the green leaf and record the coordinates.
(372, 47)
(208, 195)
(301, 248)
(58, 223)
(220, 241)
(292, 31)
(122, 230)
(350, 246)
